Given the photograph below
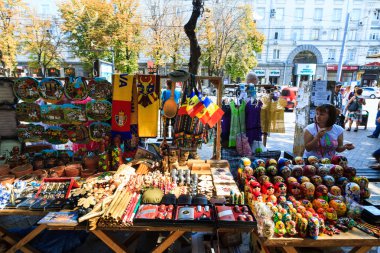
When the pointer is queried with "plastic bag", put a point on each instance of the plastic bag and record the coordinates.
(242, 145)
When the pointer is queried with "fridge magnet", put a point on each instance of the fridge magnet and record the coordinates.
(50, 90)
(52, 114)
(99, 130)
(100, 110)
(74, 114)
(55, 135)
(100, 89)
(26, 89)
(76, 88)
(30, 133)
(77, 133)
(29, 112)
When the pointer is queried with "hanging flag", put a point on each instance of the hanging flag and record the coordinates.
(204, 115)
(121, 105)
(134, 106)
(182, 109)
(216, 114)
(195, 105)
(148, 91)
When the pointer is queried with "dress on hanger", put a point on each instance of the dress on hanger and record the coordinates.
(226, 124)
(253, 121)
(237, 122)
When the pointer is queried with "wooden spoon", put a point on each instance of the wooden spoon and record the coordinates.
(170, 106)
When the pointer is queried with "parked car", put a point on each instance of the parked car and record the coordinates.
(290, 94)
(371, 92)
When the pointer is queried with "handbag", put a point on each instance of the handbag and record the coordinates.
(354, 106)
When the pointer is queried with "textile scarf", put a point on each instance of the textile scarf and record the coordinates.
(121, 105)
(148, 90)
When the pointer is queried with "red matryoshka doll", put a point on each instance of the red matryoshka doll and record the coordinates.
(280, 189)
(324, 170)
(295, 190)
(313, 227)
(316, 180)
(259, 171)
(320, 203)
(309, 170)
(321, 213)
(308, 190)
(306, 203)
(272, 170)
(258, 163)
(331, 215)
(297, 171)
(299, 160)
(271, 162)
(325, 161)
(290, 180)
(336, 171)
(312, 160)
(277, 179)
(349, 172)
(321, 192)
(255, 188)
(339, 206)
(259, 197)
(283, 162)
(285, 172)
(339, 160)
(353, 191)
(303, 179)
(302, 225)
(329, 181)
(267, 189)
(335, 193)
(263, 179)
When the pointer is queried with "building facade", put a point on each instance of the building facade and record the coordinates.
(304, 39)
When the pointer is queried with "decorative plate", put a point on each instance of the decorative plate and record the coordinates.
(76, 89)
(30, 133)
(26, 89)
(74, 114)
(52, 114)
(77, 133)
(98, 130)
(55, 135)
(50, 90)
(29, 112)
(100, 89)
(99, 110)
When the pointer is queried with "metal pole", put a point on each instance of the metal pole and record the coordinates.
(339, 73)
(113, 60)
(268, 38)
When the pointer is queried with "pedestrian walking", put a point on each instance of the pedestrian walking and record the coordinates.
(355, 107)
(338, 102)
(376, 133)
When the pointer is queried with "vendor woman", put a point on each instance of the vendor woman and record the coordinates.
(324, 138)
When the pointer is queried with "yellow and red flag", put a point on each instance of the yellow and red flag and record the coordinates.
(195, 106)
(216, 114)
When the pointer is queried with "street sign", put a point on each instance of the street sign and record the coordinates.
(259, 72)
(274, 72)
(305, 69)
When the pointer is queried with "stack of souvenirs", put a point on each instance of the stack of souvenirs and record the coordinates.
(321, 196)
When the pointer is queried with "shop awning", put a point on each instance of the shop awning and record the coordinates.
(344, 68)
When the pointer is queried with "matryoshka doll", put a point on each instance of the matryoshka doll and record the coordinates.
(352, 191)
(320, 203)
(277, 179)
(325, 161)
(313, 227)
(306, 203)
(321, 213)
(290, 180)
(285, 172)
(291, 227)
(312, 160)
(283, 162)
(339, 160)
(255, 189)
(324, 170)
(339, 206)
(271, 170)
(247, 172)
(349, 172)
(331, 215)
(259, 171)
(321, 192)
(280, 189)
(302, 225)
(342, 182)
(363, 184)
(329, 181)
(303, 179)
(267, 190)
(297, 171)
(294, 189)
(279, 229)
(257, 163)
(271, 162)
(336, 171)
(308, 190)
(316, 180)
(335, 193)
(299, 160)
(309, 170)
(263, 179)
(244, 164)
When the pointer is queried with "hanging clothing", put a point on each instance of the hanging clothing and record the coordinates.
(226, 125)
(148, 90)
(253, 121)
(272, 116)
(237, 122)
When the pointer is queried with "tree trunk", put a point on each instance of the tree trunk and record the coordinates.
(195, 49)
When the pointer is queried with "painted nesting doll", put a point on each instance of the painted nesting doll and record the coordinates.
(277, 179)
(331, 215)
(285, 171)
(303, 179)
(271, 170)
(299, 160)
(324, 170)
(267, 190)
(352, 191)
(263, 179)
(316, 180)
(342, 182)
(320, 203)
(363, 184)
(349, 172)
(271, 162)
(284, 162)
(258, 162)
(308, 190)
(336, 171)
(325, 160)
(279, 229)
(297, 171)
(312, 160)
(295, 190)
(335, 193)
(329, 181)
(302, 225)
(291, 228)
(290, 180)
(339, 160)
(260, 170)
(339, 207)
(313, 227)
(309, 170)
(321, 192)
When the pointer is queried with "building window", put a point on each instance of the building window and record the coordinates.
(355, 14)
(276, 35)
(352, 34)
(296, 34)
(299, 13)
(373, 50)
(314, 34)
(332, 54)
(337, 14)
(280, 14)
(374, 36)
(260, 13)
(377, 14)
(351, 54)
(334, 35)
(258, 56)
(276, 54)
(318, 14)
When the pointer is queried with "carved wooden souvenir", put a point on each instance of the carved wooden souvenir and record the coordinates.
(55, 135)
(77, 133)
(29, 112)
(100, 89)
(76, 89)
(50, 90)
(26, 89)
(100, 110)
(74, 114)
(30, 133)
(52, 114)
(98, 130)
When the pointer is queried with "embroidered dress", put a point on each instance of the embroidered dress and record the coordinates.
(327, 144)
(237, 122)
